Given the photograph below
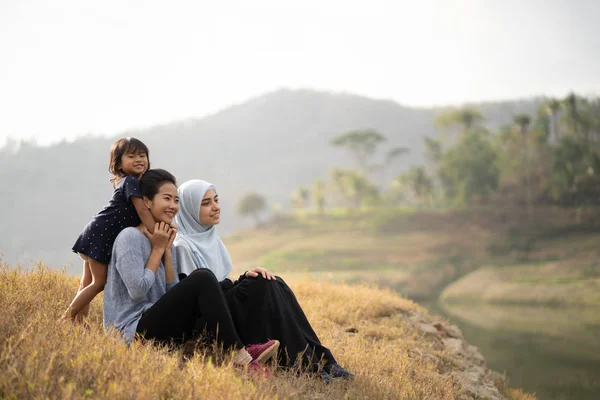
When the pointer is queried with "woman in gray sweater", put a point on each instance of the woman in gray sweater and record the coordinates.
(143, 296)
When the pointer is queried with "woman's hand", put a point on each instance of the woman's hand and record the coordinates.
(160, 237)
(171, 238)
(254, 272)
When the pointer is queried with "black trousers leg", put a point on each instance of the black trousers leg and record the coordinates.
(308, 332)
(174, 316)
(263, 310)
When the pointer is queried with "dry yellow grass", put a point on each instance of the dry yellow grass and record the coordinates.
(43, 358)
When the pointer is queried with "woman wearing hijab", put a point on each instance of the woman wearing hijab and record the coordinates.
(262, 305)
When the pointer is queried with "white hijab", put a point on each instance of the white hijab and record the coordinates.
(207, 248)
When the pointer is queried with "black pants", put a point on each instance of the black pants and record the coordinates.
(174, 317)
(263, 309)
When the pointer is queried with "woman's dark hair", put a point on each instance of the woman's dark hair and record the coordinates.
(153, 179)
(119, 148)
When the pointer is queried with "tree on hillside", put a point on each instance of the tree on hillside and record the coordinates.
(575, 161)
(414, 184)
(552, 108)
(318, 195)
(467, 118)
(522, 122)
(571, 116)
(300, 198)
(362, 144)
(575, 169)
(353, 189)
(252, 204)
(395, 153)
(468, 170)
(433, 149)
(580, 118)
(524, 153)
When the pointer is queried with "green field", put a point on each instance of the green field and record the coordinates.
(421, 253)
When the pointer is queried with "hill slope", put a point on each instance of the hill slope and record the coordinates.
(270, 144)
(395, 348)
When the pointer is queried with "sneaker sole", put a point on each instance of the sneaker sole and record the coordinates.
(268, 353)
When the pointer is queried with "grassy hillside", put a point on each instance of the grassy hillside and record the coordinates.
(416, 254)
(525, 296)
(396, 348)
(560, 270)
(561, 283)
(419, 253)
(391, 356)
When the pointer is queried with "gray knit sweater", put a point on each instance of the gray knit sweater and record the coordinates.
(131, 288)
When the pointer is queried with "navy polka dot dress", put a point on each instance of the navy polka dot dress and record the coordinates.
(96, 240)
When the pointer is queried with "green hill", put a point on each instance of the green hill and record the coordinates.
(271, 144)
(529, 302)
(420, 253)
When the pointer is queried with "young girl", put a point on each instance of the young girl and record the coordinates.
(129, 159)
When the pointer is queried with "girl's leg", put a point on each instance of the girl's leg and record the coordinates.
(173, 317)
(86, 280)
(87, 294)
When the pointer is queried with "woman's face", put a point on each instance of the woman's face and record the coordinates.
(210, 210)
(165, 204)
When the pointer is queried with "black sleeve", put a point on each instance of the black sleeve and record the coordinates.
(131, 187)
(226, 284)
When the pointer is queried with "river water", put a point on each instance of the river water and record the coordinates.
(554, 353)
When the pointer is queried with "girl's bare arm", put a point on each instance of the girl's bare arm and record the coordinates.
(143, 213)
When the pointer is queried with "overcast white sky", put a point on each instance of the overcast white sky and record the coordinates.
(73, 67)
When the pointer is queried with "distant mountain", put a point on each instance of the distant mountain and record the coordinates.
(270, 144)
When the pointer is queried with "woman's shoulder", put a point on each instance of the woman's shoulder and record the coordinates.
(130, 234)
(181, 243)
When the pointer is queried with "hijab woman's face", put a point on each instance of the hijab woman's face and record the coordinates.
(210, 211)
(165, 204)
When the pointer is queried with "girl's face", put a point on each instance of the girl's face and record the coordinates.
(134, 164)
(165, 204)
(210, 210)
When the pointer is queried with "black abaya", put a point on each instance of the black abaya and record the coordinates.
(268, 309)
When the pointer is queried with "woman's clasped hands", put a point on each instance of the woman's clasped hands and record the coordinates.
(163, 236)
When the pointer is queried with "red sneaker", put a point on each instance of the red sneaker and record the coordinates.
(259, 370)
(263, 352)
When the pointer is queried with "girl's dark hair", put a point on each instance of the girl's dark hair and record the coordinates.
(119, 148)
(153, 179)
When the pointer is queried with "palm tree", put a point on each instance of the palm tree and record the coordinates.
(552, 108)
(467, 117)
(571, 115)
(522, 122)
